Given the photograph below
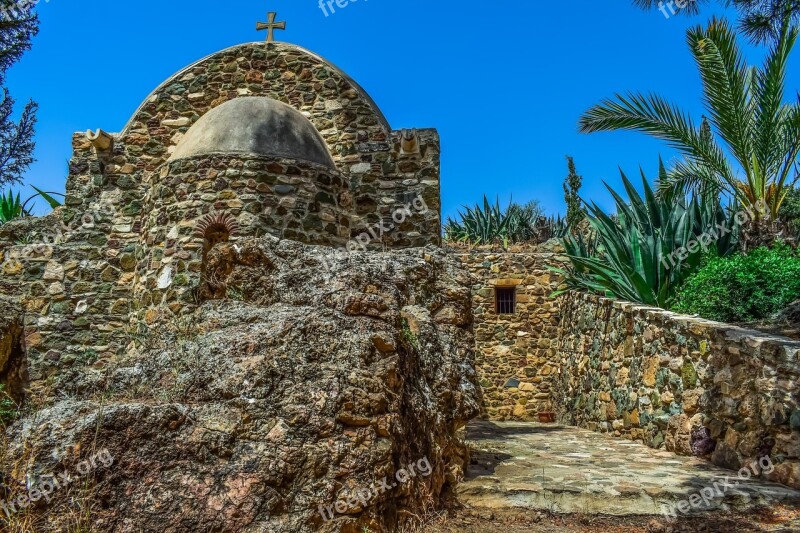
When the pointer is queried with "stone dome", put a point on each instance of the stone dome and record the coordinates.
(255, 125)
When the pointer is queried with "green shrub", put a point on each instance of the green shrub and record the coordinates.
(742, 288)
(790, 212)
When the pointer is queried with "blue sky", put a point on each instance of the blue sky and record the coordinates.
(503, 82)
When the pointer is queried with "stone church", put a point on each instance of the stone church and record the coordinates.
(279, 407)
(239, 304)
(261, 138)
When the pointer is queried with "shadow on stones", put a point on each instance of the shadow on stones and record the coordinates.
(484, 430)
(13, 363)
(485, 463)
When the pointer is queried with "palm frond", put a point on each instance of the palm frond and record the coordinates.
(653, 115)
(726, 85)
(746, 118)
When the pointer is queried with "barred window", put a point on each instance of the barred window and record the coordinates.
(505, 300)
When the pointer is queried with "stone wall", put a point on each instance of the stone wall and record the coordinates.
(74, 272)
(382, 174)
(73, 284)
(651, 375)
(233, 197)
(271, 411)
(516, 354)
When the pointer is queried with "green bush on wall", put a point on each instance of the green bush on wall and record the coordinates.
(742, 288)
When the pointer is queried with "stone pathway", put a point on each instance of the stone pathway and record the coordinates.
(570, 470)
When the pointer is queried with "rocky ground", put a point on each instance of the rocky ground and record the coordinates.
(545, 478)
(571, 470)
(778, 519)
(311, 380)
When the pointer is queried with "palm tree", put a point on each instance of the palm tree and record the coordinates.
(761, 19)
(748, 145)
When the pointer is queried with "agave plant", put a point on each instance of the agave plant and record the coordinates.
(747, 119)
(490, 224)
(485, 224)
(552, 227)
(646, 251)
(11, 207)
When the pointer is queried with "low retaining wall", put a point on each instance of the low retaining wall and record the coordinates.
(681, 382)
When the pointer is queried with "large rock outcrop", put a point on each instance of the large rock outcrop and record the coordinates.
(312, 377)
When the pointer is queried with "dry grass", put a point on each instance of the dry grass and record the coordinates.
(71, 509)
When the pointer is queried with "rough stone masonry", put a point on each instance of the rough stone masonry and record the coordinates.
(307, 386)
(684, 384)
(259, 139)
(194, 310)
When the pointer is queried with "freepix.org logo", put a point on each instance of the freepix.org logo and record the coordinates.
(417, 207)
(51, 483)
(703, 499)
(328, 7)
(669, 8)
(361, 497)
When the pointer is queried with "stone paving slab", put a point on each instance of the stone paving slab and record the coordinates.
(571, 470)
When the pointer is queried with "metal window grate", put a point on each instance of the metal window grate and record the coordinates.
(505, 300)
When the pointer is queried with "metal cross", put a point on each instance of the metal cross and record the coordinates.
(270, 26)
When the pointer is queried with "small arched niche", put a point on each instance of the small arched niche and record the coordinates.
(214, 229)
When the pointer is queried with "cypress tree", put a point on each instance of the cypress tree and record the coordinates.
(18, 24)
(572, 186)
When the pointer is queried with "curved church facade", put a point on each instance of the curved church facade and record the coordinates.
(259, 139)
